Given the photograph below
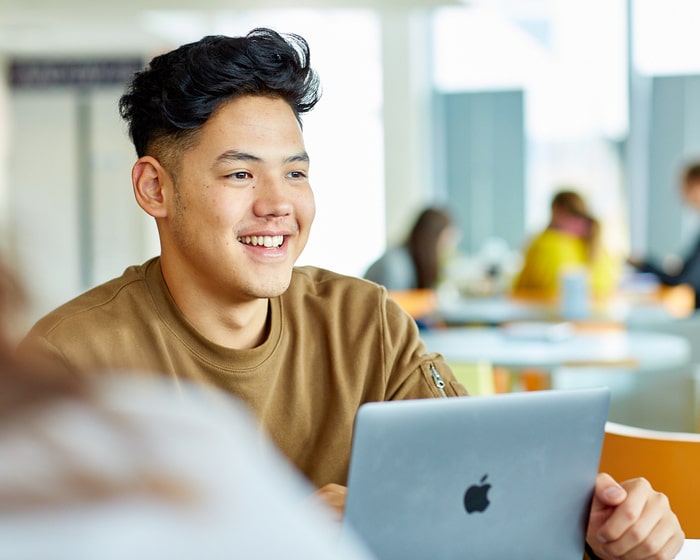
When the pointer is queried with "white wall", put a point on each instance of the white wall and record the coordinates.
(65, 242)
(122, 233)
(43, 179)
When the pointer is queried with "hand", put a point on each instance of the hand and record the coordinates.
(333, 496)
(632, 521)
(634, 262)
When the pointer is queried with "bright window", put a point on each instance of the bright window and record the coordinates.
(570, 59)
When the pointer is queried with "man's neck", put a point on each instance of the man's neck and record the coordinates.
(240, 326)
(232, 324)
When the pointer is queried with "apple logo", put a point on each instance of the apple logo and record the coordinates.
(476, 496)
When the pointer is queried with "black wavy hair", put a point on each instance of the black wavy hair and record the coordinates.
(178, 91)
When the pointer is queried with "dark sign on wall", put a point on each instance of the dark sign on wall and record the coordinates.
(48, 72)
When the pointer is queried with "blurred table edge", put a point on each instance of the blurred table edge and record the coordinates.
(665, 303)
(690, 550)
(639, 350)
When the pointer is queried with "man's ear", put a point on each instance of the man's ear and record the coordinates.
(152, 186)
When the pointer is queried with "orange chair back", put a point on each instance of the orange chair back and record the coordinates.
(670, 461)
(417, 303)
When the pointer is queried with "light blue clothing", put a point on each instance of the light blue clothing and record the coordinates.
(167, 472)
(394, 270)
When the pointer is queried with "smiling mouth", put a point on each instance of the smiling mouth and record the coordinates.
(262, 240)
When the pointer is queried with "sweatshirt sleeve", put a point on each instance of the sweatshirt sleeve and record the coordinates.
(412, 372)
(663, 276)
(36, 351)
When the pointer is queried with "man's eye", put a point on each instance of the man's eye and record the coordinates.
(240, 175)
(296, 174)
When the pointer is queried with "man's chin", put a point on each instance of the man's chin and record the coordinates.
(271, 289)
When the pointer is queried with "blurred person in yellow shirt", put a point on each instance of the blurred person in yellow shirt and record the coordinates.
(570, 241)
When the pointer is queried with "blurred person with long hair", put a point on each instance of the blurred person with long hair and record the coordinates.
(418, 262)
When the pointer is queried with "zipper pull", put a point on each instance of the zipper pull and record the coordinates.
(439, 382)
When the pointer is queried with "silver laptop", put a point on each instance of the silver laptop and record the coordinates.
(485, 477)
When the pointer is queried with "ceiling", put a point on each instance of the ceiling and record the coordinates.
(85, 27)
(64, 27)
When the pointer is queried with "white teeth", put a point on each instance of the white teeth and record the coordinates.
(262, 240)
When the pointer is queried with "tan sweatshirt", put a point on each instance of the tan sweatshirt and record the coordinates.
(334, 343)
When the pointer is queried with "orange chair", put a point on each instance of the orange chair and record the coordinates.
(670, 461)
(417, 303)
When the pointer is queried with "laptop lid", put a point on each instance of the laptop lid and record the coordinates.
(489, 477)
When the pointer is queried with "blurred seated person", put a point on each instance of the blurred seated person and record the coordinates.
(417, 263)
(93, 469)
(689, 271)
(571, 240)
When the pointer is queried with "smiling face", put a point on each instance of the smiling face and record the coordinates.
(240, 207)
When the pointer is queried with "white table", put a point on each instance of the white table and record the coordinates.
(642, 350)
(492, 310)
(648, 373)
(690, 550)
(495, 310)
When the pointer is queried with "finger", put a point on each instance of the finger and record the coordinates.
(608, 492)
(646, 533)
(333, 496)
(646, 536)
(601, 509)
(664, 540)
(626, 514)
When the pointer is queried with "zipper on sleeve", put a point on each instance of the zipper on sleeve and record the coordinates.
(437, 379)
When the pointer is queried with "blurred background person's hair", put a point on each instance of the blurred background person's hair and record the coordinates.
(418, 262)
(570, 214)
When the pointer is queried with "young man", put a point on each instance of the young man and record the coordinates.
(223, 169)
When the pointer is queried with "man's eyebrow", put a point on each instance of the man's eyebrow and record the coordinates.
(301, 157)
(235, 155)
